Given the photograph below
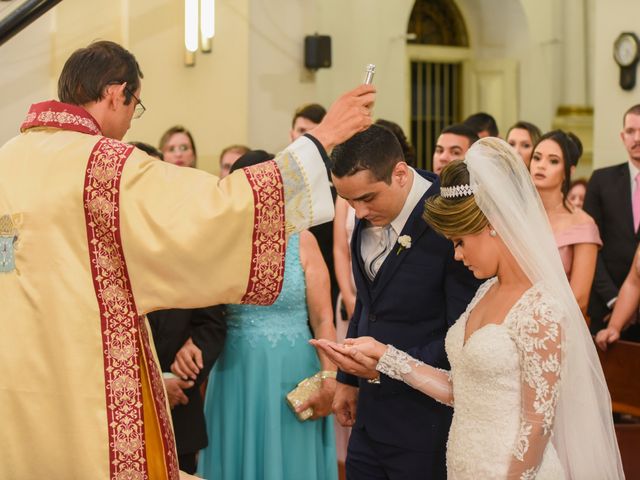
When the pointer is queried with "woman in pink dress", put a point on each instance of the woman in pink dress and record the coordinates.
(554, 157)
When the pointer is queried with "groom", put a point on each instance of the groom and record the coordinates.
(410, 290)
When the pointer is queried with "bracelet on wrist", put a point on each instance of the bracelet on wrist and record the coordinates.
(322, 374)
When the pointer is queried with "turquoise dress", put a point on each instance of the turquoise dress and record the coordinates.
(253, 434)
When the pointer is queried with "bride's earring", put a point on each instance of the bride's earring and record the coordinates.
(492, 233)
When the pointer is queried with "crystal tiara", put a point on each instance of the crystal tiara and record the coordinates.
(456, 191)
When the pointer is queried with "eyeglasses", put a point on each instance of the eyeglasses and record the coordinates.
(140, 109)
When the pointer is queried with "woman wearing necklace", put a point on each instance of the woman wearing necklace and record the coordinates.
(554, 158)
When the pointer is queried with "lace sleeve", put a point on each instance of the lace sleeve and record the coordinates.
(537, 334)
(429, 380)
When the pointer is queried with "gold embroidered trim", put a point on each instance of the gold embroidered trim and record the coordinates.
(267, 256)
(121, 332)
(66, 118)
(298, 206)
(7, 226)
(8, 241)
(159, 397)
(60, 115)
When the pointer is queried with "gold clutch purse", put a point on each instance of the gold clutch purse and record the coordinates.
(304, 390)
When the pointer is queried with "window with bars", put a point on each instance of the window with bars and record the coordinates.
(435, 104)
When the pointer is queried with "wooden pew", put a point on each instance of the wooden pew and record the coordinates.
(621, 366)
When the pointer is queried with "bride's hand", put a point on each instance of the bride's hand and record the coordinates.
(367, 346)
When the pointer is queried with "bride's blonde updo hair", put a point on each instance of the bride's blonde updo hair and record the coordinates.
(455, 216)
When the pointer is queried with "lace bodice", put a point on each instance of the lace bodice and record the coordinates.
(286, 319)
(503, 383)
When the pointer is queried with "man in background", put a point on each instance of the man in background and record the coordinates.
(483, 124)
(613, 200)
(452, 144)
(305, 119)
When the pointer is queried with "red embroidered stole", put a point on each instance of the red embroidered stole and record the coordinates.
(124, 336)
(269, 242)
(60, 115)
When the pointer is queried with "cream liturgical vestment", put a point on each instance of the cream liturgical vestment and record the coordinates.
(94, 234)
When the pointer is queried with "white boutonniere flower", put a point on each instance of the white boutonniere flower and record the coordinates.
(404, 241)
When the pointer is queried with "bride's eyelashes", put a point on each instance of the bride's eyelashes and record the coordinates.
(457, 243)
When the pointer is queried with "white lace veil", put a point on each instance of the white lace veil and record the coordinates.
(583, 432)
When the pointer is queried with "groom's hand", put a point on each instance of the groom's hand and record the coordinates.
(341, 356)
(345, 404)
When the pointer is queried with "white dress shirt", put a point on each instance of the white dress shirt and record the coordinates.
(371, 234)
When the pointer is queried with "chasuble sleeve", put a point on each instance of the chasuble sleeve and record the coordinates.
(193, 240)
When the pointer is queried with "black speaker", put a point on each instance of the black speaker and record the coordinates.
(317, 51)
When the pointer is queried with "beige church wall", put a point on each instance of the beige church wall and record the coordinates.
(210, 98)
(610, 101)
(25, 76)
(369, 31)
(278, 81)
(362, 32)
(541, 71)
(246, 90)
(516, 59)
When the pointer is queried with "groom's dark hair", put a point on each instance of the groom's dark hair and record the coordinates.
(376, 149)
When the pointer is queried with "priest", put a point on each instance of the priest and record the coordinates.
(94, 234)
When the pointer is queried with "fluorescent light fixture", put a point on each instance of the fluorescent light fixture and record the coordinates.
(191, 25)
(190, 31)
(207, 23)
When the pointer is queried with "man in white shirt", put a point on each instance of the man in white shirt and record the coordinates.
(409, 291)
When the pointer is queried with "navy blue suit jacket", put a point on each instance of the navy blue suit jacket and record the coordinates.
(416, 296)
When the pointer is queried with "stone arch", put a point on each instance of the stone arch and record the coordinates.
(437, 22)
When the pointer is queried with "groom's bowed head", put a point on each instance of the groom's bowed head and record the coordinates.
(369, 171)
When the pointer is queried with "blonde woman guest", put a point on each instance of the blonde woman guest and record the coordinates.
(177, 147)
(554, 158)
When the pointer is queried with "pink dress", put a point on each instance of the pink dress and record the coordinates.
(567, 239)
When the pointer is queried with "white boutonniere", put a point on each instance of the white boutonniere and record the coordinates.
(404, 241)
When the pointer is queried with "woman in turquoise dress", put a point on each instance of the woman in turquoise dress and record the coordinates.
(253, 433)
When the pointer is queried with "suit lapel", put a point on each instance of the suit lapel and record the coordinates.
(362, 281)
(414, 228)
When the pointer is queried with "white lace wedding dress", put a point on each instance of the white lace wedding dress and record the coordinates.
(503, 385)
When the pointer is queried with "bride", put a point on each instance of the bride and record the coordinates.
(529, 397)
